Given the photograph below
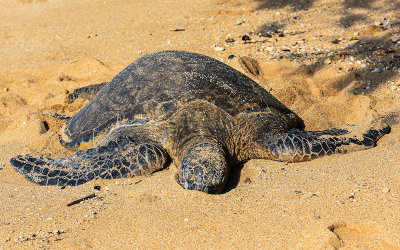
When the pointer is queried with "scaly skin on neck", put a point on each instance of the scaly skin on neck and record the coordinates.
(202, 121)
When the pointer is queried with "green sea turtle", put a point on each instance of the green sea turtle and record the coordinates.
(187, 108)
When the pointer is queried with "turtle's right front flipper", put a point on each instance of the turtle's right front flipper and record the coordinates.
(119, 159)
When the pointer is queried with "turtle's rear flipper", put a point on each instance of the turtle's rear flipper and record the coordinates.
(57, 116)
(118, 159)
(299, 145)
(87, 92)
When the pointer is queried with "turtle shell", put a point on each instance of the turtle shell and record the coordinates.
(155, 86)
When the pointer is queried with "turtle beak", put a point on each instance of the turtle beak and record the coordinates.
(210, 182)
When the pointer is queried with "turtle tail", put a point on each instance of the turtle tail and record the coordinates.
(118, 159)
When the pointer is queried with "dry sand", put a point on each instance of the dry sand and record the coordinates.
(348, 76)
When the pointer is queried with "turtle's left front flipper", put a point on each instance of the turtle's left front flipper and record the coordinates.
(297, 145)
(87, 92)
(119, 159)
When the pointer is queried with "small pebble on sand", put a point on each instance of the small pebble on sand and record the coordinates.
(217, 48)
(239, 21)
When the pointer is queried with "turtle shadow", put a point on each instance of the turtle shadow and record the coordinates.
(349, 20)
(233, 178)
(273, 28)
(277, 4)
(364, 4)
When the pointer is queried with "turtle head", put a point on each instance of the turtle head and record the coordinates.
(204, 168)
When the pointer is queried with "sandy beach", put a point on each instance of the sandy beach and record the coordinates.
(332, 62)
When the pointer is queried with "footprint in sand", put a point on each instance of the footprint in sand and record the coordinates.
(358, 236)
(346, 235)
(8, 103)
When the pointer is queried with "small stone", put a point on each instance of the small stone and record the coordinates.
(230, 57)
(376, 70)
(265, 35)
(351, 196)
(336, 41)
(328, 61)
(97, 187)
(247, 180)
(386, 190)
(229, 40)
(314, 195)
(239, 21)
(246, 38)
(316, 216)
(393, 87)
(186, 219)
(139, 52)
(217, 48)
(387, 25)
